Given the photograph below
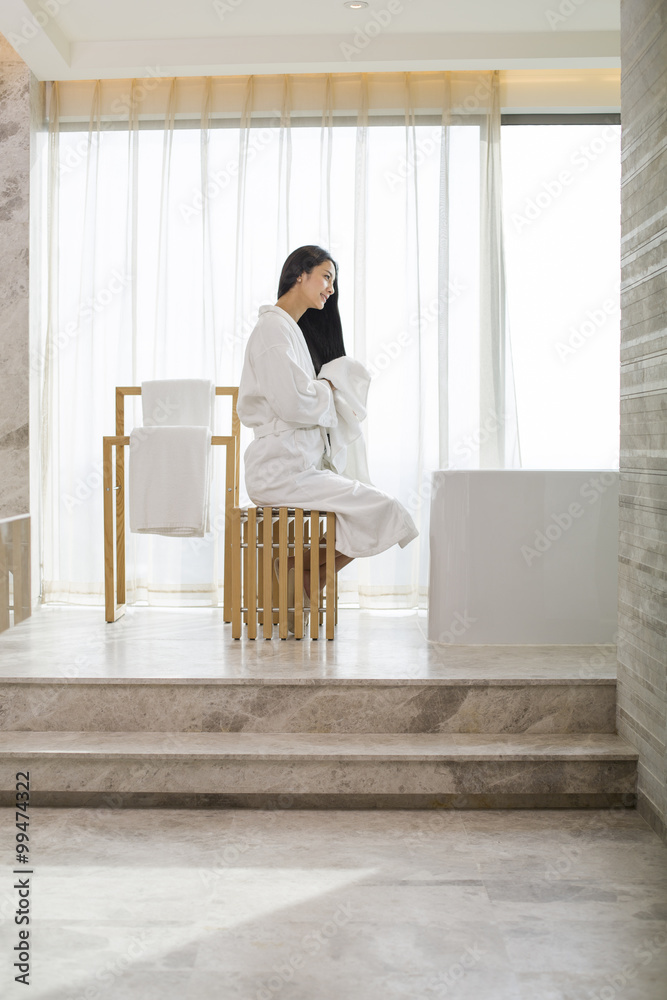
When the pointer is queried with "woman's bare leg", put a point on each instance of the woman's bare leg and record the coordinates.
(340, 561)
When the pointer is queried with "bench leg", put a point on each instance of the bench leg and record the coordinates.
(267, 572)
(236, 573)
(331, 574)
(252, 573)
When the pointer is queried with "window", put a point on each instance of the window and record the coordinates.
(145, 289)
(562, 201)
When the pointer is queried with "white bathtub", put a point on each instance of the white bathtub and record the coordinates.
(523, 556)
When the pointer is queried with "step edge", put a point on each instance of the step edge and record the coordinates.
(315, 681)
(380, 758)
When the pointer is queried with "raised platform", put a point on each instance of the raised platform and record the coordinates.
(309, 705)
(164, 707)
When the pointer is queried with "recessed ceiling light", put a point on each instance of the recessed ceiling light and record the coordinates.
(355, 4)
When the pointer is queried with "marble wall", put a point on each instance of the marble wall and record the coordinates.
(14, 241)
(642, 623)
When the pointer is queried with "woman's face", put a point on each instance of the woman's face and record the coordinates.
(317, 286)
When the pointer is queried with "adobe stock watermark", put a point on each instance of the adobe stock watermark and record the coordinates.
(464, 448)
(124, 104)
(225, 7)
(391, 350)
(617, 982)
(595, 320)
(472, 441)
(424, 147)
(564, 11)
(90, 306)
(73, 155)
(221, 179)
(243, 331)
(590, 667)
(448, 980)
(231, 852)
(551, 190)
(85, 488)
(458, 627)
(427, 827)
(597, 823)
(431, 310)
(561, 522)
(310, 945)
(374, 26)
(271, 469)
(112, 970)
(31, 25)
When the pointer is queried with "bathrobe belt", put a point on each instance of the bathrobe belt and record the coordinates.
(278, 426)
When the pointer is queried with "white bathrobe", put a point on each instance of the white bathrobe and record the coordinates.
(309, 449)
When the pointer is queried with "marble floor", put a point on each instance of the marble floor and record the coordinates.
(74, 642)
(341, 905)
(287, 903)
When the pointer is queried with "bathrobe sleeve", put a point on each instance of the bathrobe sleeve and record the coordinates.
(291, 392)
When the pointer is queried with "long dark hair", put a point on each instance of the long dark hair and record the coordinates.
(321, 328)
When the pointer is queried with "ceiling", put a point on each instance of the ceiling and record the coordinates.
(84, 39)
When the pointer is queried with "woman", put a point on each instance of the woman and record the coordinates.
(304, 399)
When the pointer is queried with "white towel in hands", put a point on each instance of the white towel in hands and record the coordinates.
(348, 447)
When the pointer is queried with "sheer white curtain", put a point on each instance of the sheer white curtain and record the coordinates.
(171, 209)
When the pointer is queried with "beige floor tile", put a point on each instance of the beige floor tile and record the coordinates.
(255, 905)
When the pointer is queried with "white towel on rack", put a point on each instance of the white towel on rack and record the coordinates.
(178, 402)
(170, 458)
(170, 470)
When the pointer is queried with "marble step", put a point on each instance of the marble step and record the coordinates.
(332, 765)
(311, 705)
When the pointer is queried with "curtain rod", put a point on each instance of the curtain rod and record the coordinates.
(349, 121)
